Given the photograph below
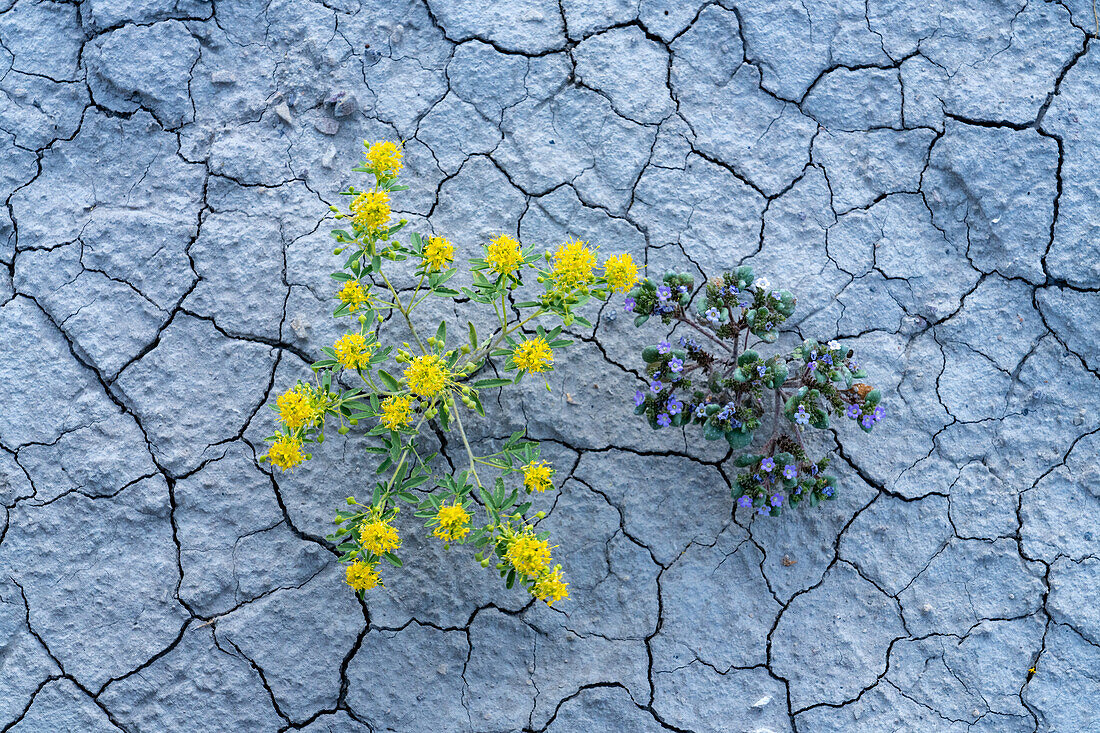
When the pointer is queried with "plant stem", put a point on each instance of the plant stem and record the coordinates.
(466, 443)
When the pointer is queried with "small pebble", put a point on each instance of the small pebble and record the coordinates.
(283, 111)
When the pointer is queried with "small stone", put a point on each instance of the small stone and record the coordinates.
(926, 608)
(787, 561)
(762, 701)
(223, 76)
(344, 104)
(326, 161)
(283, 111)
(327, 125)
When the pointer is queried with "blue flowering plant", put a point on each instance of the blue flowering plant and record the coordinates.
(715, 377)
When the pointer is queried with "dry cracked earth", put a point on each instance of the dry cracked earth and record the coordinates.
(921, 173)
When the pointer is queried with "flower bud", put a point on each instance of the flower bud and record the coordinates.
(343, 430)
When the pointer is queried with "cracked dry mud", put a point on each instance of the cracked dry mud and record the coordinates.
(921, 173)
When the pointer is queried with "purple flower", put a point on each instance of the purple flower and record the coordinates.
(639, 398)
(767, 464)
(744, 501)
(683, 288)
(675, 406)
(664, 347)
(827, 491)
(867, 421)
(777, 500)
(664, 292)
(701, 410)
(802, 417)
(675, 364)
(812, 365)
(828, 359)
(762, 510)
(813, 469)
(656, 386)
(878, 413)
(712, 315)
(628, 305)
(769, 325)
(790, 470)
(853, 412)
(744, 304)
(664, 420)
(761, 369)
(758, 479)
(853, 364)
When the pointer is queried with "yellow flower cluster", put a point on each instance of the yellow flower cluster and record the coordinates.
(362, 576)
(396, 411)
(371, 210)
(427, 375)
(573, 264)
(620, 272)
(285, 452)
(537, 476)
(299, 406)
(503, 255)
(528, 554)
(454, 523)
(384, 158)
(550, 587)
(352, 351)
(533, 355)
(378, 536)
(438, 253)
(353, 294)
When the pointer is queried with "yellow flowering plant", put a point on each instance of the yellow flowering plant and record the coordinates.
(432, 381)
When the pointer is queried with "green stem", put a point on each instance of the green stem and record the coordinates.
(466, 443)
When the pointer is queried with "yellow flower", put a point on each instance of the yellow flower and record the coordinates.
(528, 554)
(352, 351)
(534, 355)
(353, 294)
(536, 476)
(396, 411)
(378, 536)
(503, 255)
(362, 576)
(550, 587)
(296, 407)
(285, 452)
(454, 523)
(426, 375)
(621, 272)
(384, 158)
(573, 264)
(371, 210)
(438, 253)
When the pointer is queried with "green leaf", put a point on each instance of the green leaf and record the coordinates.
(393, 559)
(473, 334)
(490, 383)
(388, 379)
(441, 332)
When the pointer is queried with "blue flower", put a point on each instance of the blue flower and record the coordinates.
(853, 364)
(628, 305)
(664, 420)
(683, 288)
(735, 423)
(813, 469)
(744, 304)
(802, 417)
(744, 501)
(762, 510)
(674, 406)
(724, 413)
(853, 412)
(712, 315)
(867, 421)
(767, 464)
(790, 471)
(761, 369)
(777, 500)
(664, 292)
(639, 398)
(812, 365)
(828, 359)
(827, 491)
(675, 364)
(701, 410)
(758, 479)
(878, 413)
(664, 347)
(769, 325)
(656, 386)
